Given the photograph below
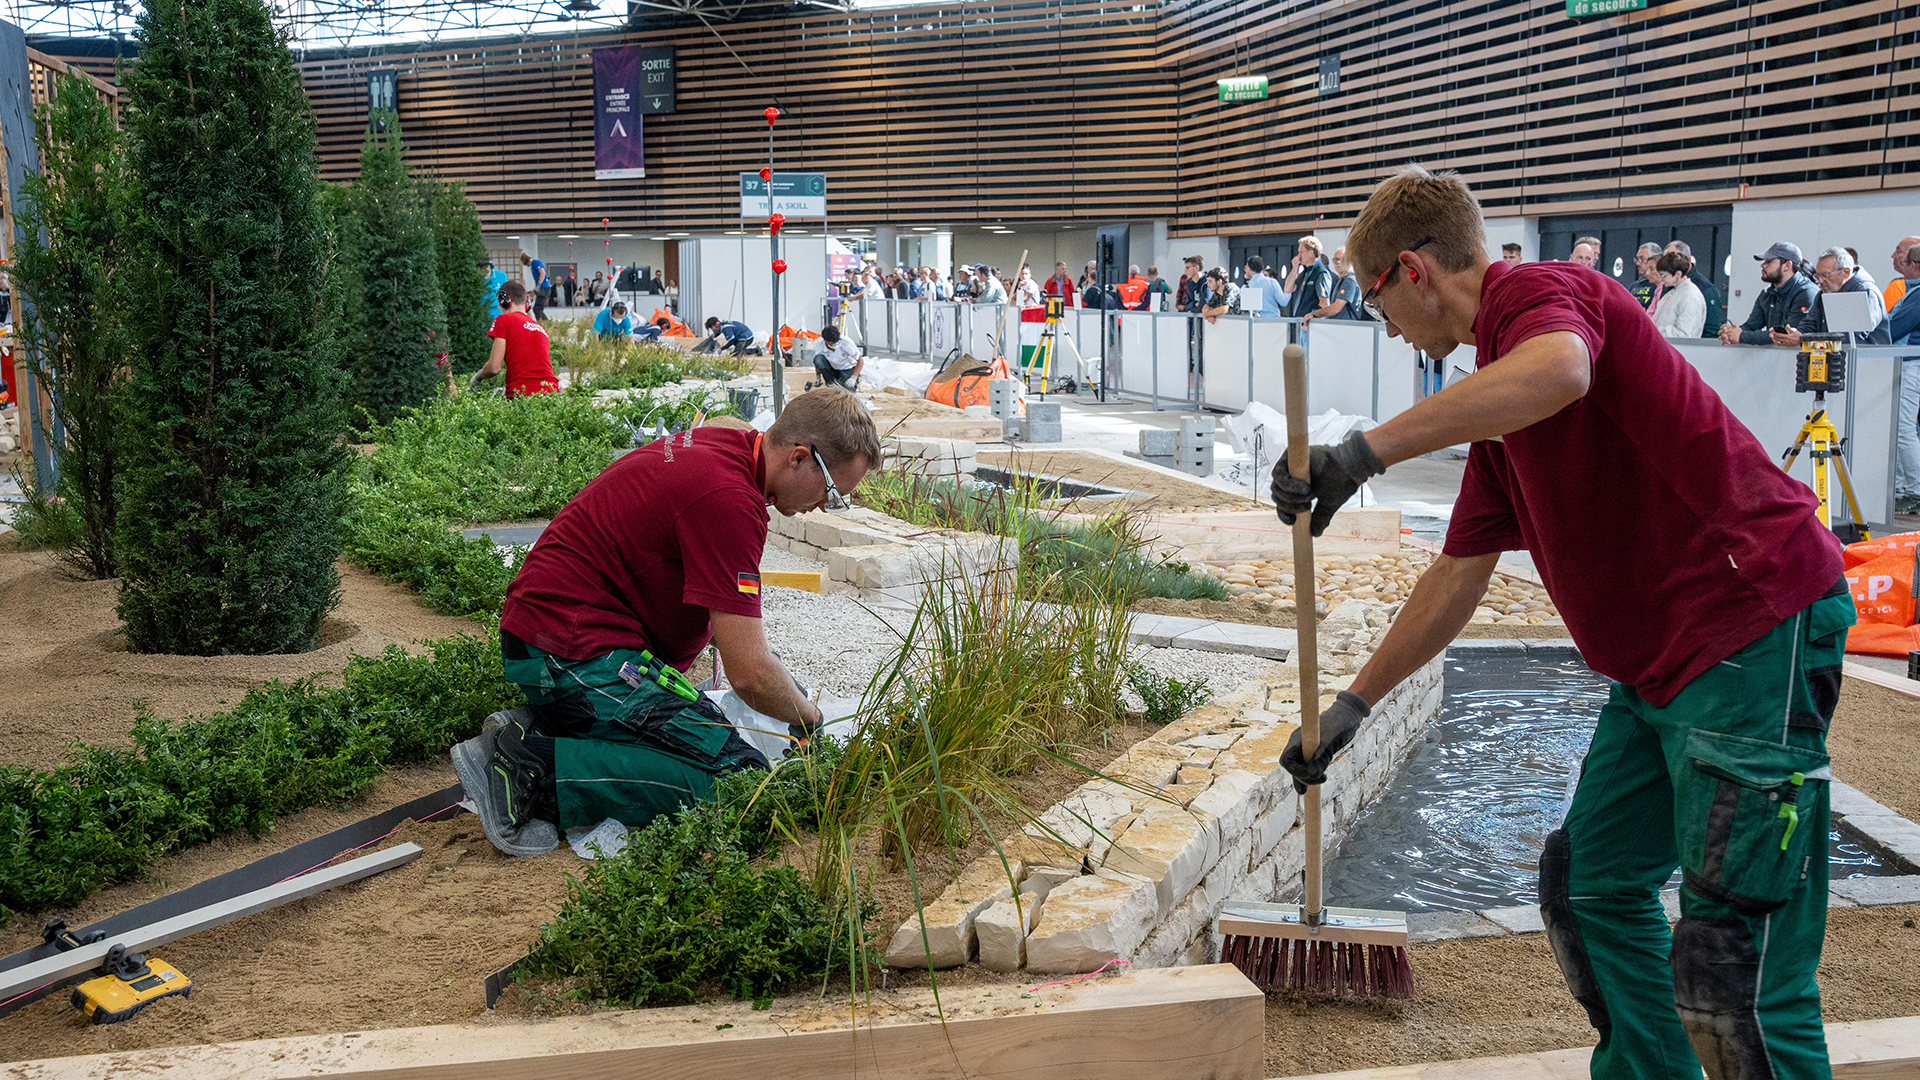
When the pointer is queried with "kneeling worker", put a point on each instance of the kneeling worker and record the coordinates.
(1691, 570)
(656, 556)
(737, 336)
(838, 362)
(613, 321)
(520, 347)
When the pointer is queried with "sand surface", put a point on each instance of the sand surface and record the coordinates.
(69, 675)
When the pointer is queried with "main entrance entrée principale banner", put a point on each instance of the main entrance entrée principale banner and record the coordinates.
(619, 153)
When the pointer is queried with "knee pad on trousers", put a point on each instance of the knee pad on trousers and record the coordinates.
(1563, 933)
(1716, 984)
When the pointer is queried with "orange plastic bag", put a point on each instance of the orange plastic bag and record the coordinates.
(965, 381)
(1880, 575)
(675, 328)
(788, 335)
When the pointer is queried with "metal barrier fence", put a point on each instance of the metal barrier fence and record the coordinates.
(1174, 359)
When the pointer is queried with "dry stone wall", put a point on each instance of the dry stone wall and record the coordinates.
(880, 556)
(1138, 864)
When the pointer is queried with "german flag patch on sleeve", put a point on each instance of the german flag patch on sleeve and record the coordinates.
(747, 583)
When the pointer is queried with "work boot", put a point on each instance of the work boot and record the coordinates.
(498, 785)
(522, 716)
(1907, 505)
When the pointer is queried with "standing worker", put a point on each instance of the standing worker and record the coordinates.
(520, 346)
(1691, 571)
(542, 284)
(656, 556)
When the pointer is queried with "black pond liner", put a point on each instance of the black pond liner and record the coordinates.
(1461, 826)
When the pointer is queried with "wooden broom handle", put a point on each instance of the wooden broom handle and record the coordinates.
(1294, 363)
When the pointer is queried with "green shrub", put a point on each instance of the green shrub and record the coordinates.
(232, 466)
(684, 906)
(402, 327)
(68, 246)
(1167, 699)
(459, 248)
(109, 813)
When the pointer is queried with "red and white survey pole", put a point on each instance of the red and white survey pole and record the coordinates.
(775, 219)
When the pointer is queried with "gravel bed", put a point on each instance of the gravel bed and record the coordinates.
(837, 642)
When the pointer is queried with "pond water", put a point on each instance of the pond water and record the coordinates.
(1461, 827)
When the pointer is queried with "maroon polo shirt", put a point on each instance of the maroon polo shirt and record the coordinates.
(637, 559)
(1667, 536)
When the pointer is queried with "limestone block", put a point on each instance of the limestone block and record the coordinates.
(1149, 764)
(1230, 800)
(1034, 854)
(949, 936)
(1089, 812)
(1256, 753)
(1170, 846)
(1090, 920)
(1182, 794)
(1104, 840)
(1218, 741)
(1003, 928)
(1271, 827)
(1194, 774)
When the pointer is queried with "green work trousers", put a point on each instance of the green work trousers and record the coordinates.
(1727, 781)
(621, 751)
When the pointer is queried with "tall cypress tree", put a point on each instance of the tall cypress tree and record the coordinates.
(233, 463)
(457, 239)
(403, 319)
(68, 249)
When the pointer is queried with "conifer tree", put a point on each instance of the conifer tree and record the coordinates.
(457, 239)
(232, 457)
(64, 266)
(403, 318)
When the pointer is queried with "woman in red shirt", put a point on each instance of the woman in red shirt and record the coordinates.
(520, 345)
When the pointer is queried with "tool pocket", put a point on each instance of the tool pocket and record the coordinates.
(1825, 649)
(1746, 813)
(697, 732)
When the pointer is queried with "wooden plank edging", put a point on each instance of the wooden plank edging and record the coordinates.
(1860, 1050)
(1172, 1023)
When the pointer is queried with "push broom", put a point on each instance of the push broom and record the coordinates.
(1304, 946)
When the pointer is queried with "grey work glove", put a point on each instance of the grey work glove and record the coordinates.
(1334, 473)
(1337, 727)
(473, 382)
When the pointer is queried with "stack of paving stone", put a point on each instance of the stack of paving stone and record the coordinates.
(1003, 402)
(1159, 446)
(1138, 864)
(1042, 424)
(1193, 446)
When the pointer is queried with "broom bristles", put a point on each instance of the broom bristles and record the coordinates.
(1339, 968)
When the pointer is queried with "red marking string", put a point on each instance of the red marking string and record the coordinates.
(1077, 978)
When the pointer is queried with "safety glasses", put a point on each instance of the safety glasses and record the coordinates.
(1371, 301)
(836, 502)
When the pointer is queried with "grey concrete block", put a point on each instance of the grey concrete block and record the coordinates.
(1557, 647)
(1896, 834)
(1871, 891)
(1849, 801)
(1012, 426)
(1524, 919)
(1036, 432)
(1045, 412)
(1449, 926)
(1158, 442)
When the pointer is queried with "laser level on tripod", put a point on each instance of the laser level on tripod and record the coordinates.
(1821, 367)
(1048, 349)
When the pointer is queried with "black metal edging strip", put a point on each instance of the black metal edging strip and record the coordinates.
(258, 874)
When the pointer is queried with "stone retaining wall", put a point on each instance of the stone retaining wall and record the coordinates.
(882, 556)
(1138, 864)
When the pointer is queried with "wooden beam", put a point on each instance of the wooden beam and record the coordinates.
(1861, 1050)
(1172, 1023)
(1854, 670)
(60, 966)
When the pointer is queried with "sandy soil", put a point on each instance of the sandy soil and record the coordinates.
(1493, 996)
(1872, 741)
(69, 675)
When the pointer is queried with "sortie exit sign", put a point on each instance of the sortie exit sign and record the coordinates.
(1250, 88)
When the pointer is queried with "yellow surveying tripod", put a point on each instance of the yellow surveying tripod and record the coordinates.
(1822, 367)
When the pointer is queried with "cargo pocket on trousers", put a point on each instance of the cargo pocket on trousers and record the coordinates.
(694, 731)
(1739, 807)
(1824, 652)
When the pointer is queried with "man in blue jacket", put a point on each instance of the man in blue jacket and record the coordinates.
(726, 335)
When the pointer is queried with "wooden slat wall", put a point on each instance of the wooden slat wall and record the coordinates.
(1082, 112)
(1691, 102)
(1051, 112)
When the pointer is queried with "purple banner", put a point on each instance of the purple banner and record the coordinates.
(618, 151)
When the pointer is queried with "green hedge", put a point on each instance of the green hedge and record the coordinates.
(108, 815)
